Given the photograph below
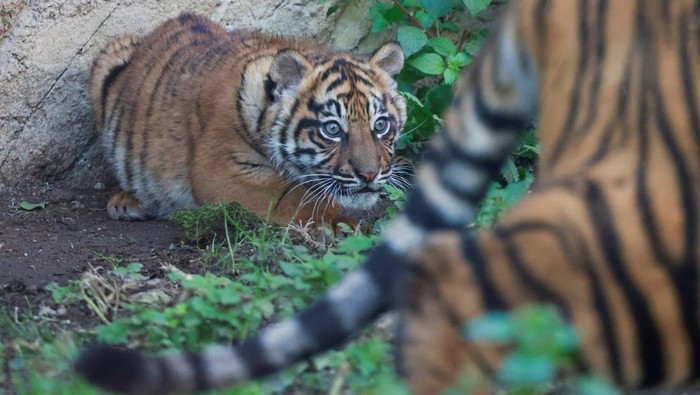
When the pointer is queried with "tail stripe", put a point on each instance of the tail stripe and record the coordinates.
(199, 375)
(487, 164)
(423, 213)
(221, 364)
(322, 322)
(402, 235)
(436, 205)
(162, 375)
(466, 177)
(254, 353)
(464, 182)
(346, 290)
(179, 372)
(497, 120)
(284, 341)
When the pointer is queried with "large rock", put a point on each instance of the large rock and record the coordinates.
(46, 47)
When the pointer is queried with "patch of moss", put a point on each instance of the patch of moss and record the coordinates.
(204, 223)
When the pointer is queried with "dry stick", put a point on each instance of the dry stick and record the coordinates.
(408, 15)
(462, 39)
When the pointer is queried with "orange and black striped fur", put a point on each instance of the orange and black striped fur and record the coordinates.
(609, 234)
(193, 114)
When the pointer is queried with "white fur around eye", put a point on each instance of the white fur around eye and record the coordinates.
(384, 129)
(327, 128)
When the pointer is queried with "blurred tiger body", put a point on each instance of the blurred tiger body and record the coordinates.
(609, 234)
(193, 114)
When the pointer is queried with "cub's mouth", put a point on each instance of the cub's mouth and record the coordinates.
(359, 200)
(366, 189)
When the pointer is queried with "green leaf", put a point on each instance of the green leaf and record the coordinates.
(113, 333)
(203, 308)
(442, 45)
(412, 98)
(230, 297)
(412, 39)
(438, 98)
(291, 269)
(357, 243)
(394, 15)
(134, 267)
(566, 339)
(130, 271)
(429, 63)
(458, 60)
(450, 76)
(376, 15)
(515, 191)
(394, 193)
(520, 368)
(451, 26)
(437, 8)
(494, 327)
(425, 19)
(332, 9)
(27, 206)
(476, 6)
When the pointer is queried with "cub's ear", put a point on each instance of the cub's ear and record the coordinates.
(287, 70)
(388, 57)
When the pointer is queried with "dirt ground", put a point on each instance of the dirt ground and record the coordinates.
(73, 231)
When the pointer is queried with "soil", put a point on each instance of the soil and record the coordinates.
(73, 232)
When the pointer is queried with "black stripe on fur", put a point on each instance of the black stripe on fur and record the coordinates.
(113, 369)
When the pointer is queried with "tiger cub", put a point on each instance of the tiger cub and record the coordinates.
(192, 114)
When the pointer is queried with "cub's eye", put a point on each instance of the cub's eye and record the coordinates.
(331, 129)
(381, 125)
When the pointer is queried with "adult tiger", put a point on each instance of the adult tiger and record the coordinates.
(192, 114)
(609, 234)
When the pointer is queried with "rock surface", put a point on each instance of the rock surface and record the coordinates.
(46, 47)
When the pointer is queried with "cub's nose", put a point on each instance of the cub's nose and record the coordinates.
(367, 176)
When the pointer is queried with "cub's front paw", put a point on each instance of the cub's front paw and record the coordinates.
(123, 206)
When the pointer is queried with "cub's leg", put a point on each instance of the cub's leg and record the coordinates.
(123, 206)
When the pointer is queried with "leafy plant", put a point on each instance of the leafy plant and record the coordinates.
(436, 47)
(541, 345)
(64, 293)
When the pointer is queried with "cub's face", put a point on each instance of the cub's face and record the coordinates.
(338, 125)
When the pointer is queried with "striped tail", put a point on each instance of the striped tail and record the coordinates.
(499, 100)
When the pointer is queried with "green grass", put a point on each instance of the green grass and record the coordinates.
(251, 274)
(254, 276)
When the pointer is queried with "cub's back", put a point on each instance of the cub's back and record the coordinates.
(135, 86)
(152, 97)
